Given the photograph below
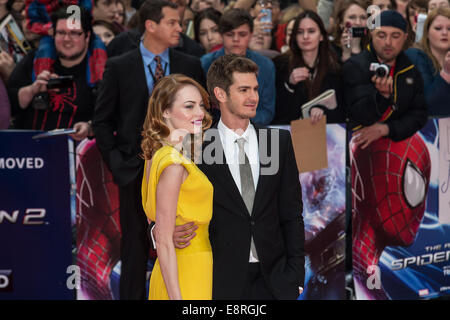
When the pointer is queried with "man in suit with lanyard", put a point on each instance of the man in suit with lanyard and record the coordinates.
(257, 230)
(120, 111)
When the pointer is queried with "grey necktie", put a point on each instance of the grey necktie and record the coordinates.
(247, 185)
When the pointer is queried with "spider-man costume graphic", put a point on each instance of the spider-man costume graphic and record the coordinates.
(389, 187)
(97, 223)
(98, 227)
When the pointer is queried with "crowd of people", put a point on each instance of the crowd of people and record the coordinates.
(293, 69)
(97, 73)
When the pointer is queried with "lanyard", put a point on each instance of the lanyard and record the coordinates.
(151, 72)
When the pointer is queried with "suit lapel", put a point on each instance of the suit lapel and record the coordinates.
(135, 70)
(175, 66)
(138, 62)
(220, 174)
(264, 180)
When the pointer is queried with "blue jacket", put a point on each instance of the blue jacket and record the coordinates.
(266, 81)
(436, 89)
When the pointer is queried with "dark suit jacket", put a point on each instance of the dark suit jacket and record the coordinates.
(276, 223)
(121, 107)
(129, 40)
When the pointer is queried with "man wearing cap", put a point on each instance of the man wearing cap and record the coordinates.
(393, 105)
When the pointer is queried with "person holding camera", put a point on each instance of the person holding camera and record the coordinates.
(54, 87)
(383, 90)
(349, 35)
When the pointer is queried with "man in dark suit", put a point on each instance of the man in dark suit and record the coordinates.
(257, 230)
(120, 111)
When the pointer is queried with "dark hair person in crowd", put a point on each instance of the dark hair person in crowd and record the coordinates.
(73, 51)
(384, 4)
(305, 71)
(15, 5)
(432, 58)
(413, 9)
(105, 30)
(206, 29)
(349, 14)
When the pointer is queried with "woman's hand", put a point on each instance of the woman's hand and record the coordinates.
(316, 114)
(299, 74)
(346, 41)
(445, 72)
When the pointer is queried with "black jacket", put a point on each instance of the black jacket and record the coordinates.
(288, 103)
(276, 221)
(129, 40)
(366, 105)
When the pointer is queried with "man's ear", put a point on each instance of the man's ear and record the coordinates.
(220, 94)
(150, 25)
(88, 37)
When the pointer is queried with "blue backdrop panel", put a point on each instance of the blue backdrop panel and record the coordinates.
(35, 231)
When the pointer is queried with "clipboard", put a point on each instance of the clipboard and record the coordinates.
(310, 144)
(54, 133)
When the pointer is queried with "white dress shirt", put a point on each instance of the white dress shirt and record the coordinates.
(228, 138)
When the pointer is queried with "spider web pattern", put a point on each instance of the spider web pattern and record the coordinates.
(98, 227)
(381, 215)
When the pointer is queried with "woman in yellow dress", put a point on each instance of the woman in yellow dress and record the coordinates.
(175, 191)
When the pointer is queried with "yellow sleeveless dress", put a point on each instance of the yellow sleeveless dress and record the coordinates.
(195, 203)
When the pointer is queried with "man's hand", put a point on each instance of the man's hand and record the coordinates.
(26, 94)
(298, 74)
(367, 135)
(184, 234)
(40, 84)
(383, 85)
(83, 129)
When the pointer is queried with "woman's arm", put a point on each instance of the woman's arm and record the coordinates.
(167, 192)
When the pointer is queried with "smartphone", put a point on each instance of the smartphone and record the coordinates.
(60, 82)
(267, 17)
(358, 32)
(419, 28)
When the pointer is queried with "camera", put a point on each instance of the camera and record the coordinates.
(358, 32)
(380, 69)
(60, 82)
(41, 101)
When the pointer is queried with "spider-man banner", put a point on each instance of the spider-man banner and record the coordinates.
(35, 234)
(400, 249)
(323, 195)
(98, 229)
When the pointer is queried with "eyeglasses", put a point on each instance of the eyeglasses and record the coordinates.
(264, 3)
(71, 34)
(274, 3)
